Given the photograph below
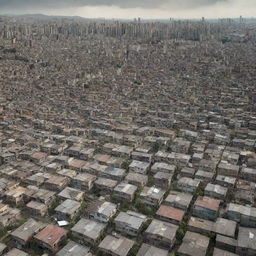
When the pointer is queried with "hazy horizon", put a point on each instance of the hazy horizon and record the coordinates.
(146, 9)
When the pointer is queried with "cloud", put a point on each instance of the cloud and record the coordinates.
(147, 4)
(129, 9)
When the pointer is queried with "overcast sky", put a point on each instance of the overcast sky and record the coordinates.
(133, 8)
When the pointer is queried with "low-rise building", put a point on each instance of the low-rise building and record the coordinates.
(245, 185)
(206, 208)
(248, 174)
(37, 179)
(161, 234)
(67, 173)
(131, 140)
(122, 151)
(163, 180)
(101, 211)
(6, 184)
(38, 157)
(228, 169)
(125, 191)
(139, 167)
(152, 196)
(16, 195)
(187, 172)
(142, 156)
(113, 173)
(170, 214)
(8, 215)
(226, 243)
(74, 150)
(188, 185)
(53, 167)
(197, 158)
(108, 147)
(178, 200)
(243, 197)
(24, 233)
(44, 196)
(162, 167)
(51, 238)
(204, 176)
(161, 156)
(246, 241)
(200, 226)
(76, 164)
(178, 159)
(102, 158)
(84, 181)
(245, 215)
(225, 181)
(56, 182)
(116, 245)
(215, 191)
(208, 165)
(105, 186)
(71, 193)
(220, 252)
(150, 250)
(74, 249)
(154, 140)
(86, 154)
(180, 145)
(88, 231)
(36, 208)
(115, 162)
(136, 179)
(16, 252)
(67, 210)
(95, 168)
(229, 156)
(225, 227)
(129, 223)
(193, 244)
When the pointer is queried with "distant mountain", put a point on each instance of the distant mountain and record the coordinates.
(40, 16)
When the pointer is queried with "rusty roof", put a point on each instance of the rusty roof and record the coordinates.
(51, 234)
(170, 212)
(208, 202)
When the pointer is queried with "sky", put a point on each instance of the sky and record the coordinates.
(130, 9)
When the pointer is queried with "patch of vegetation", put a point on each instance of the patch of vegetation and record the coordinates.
(73, 222)
(156, 147)
(51, 210)
(199, 192)
(179, 235)
(3, 231)
(175, 174)
(138, 191)
(125, 165)
(123, 205)
(225, 40)
(210, 248)
(33, 248)
(141, 207)
(182, 230)
(150, 180)
(134, 250)
(99, 253)
(145, 225)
